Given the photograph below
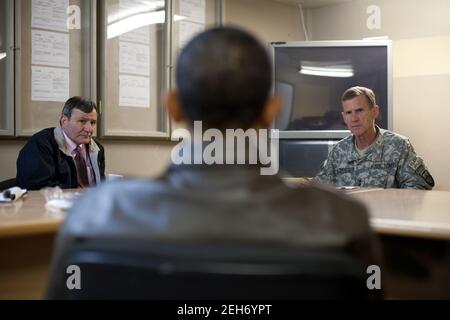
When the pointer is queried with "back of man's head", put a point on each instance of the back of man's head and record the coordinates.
(223, 78)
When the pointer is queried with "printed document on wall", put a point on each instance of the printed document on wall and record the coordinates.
(187, 30)
(141, 35)
(134, 91)
(49, 84)
(49, 14)
(50, 48)
(193, 10)
(134, 58)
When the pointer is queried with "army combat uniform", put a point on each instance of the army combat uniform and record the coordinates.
(390, 162)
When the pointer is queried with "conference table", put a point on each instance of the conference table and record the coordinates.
(414, 228)
(404, 220)
(27, 233)
(415, 213)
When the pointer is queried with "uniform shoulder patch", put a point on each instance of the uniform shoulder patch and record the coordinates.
(415, 164)
(428, 178)
(425, 174)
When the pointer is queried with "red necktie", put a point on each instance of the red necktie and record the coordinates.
(80, 164)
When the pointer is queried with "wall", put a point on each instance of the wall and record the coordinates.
(8, 155)
(269, 20)
(137, 159)
(420, 31)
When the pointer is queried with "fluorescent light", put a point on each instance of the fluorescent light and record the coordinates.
(2, 55)
(178, 18)
(324, 72)
(126, 10)
(327, 69)
(137, 21)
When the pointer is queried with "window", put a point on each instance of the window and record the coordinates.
(50, 51)
(6, 68)
(54, 61)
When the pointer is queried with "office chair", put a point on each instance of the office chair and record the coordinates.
(6, 184)
(167, 271)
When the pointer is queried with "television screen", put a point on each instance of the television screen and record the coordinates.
(311, 77)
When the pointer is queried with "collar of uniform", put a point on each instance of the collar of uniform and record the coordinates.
(353, 155)
(375, 151)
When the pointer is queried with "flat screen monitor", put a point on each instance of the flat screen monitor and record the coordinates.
(311, 76)
(303, 158)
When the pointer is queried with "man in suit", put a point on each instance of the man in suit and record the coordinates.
(67, 155)
(223, 80)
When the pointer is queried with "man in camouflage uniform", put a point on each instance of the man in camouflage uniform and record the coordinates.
(371, 156)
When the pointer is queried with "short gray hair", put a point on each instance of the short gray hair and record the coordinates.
(358, 91)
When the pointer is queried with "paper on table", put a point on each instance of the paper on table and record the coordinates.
(12, 194)
(58, 205)
(347, 188)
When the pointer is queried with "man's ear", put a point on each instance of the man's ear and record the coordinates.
(173, 106)
(63, 120)
(270, 111)
(375, 111)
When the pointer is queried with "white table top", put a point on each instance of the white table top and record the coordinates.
(416, 213)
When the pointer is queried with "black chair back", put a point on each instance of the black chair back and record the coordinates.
(209, 272)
